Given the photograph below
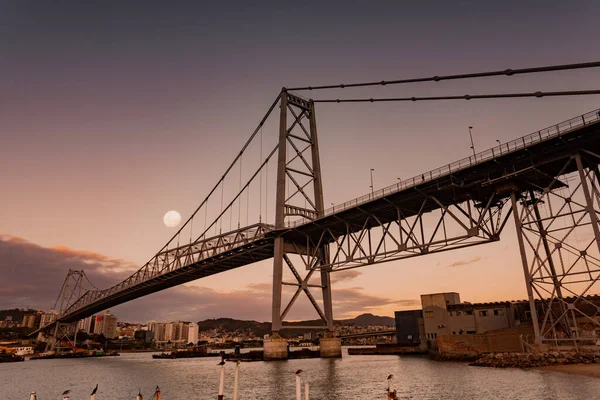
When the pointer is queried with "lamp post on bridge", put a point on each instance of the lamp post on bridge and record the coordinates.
(372, 188)
(472, 145)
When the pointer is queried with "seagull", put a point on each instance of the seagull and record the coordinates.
(66, 392)
(390, 376)
(298, 372)
(221, 363)
(95, 390)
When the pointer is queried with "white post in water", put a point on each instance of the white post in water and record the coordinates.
(221, 381)
(306, 391)
(298, 386)
(236, 379)
(32, 396)
(390, 390)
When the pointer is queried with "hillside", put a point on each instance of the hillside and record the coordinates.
(260, 329)
(369, 320)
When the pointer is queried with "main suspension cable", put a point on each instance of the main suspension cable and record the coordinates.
(506, 72)
(463, 97)
(261, 123)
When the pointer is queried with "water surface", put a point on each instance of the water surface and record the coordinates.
(348, 378)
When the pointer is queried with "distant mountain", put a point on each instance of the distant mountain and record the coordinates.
(369, 320)
(260, 329)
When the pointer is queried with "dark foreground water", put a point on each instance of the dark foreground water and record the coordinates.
(349, 378)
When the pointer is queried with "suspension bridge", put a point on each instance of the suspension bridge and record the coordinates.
(547, 181)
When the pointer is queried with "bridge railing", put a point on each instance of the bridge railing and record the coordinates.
(172, 259)
(504, 148)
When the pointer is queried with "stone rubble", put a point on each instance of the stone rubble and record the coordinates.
(532, 360)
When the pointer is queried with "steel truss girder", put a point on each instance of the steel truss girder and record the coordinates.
(376, 242)
(559, 238)
(174, 259)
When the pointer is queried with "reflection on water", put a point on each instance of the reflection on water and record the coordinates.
(349, 378)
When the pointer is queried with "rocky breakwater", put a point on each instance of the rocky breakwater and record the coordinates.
(532, 360)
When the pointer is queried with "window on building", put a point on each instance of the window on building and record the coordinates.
(451, 313)
(428, 314)
(527, 314)
(471, 332)
(435, 335)
(469, 312)
(498, 311)
(483, 313)
(454, 332)
(409, 337)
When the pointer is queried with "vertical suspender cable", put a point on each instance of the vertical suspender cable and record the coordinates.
(260, 188)
(267, 193)
(247, 207)
(205, 216)
(239, 190)
(221, 218)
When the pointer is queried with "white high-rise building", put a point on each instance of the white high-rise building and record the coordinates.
(192, 333)
(170, 332)
(106, 324)
(85, 324)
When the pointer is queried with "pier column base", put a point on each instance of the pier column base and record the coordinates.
(275, 349)
(330, 347)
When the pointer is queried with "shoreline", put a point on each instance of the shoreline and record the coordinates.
(592, 370)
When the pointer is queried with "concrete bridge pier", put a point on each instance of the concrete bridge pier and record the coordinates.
(275, 348)
(330, 347)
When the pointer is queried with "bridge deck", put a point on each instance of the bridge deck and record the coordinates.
(525, 163)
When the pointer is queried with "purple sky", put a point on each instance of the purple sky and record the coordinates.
(113, 114)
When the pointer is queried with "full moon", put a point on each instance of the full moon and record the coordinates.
(172, 219)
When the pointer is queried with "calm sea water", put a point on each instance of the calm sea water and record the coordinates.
(348, 378)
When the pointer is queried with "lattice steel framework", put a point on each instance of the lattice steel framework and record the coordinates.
(299, 194)
(451, 226)
(559, 240)
(74, 285)
(72, 289)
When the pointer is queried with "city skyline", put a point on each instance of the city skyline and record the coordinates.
(99, 146)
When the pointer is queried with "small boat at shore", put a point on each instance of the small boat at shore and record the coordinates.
(75, 354)
(10, 357)
(193, 353)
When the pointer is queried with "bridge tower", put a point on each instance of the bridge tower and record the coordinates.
(60, 334)
(558, 231)
(299, 194)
